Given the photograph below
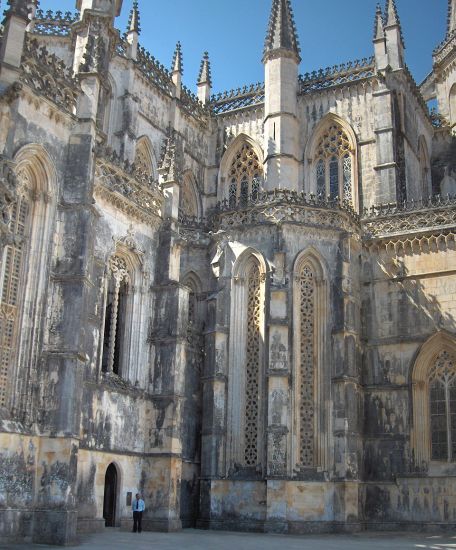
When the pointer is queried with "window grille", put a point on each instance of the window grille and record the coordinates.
(307, 351)
(143, 162)
(14, 257)
(252, 383)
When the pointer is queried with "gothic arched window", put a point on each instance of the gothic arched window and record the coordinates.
(14, 257)
(143, 158)
(334, 164)
(442, 408)
(188, 200)
(245, 176)
(115, 316)
(433, 433)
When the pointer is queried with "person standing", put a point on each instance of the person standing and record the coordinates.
(138, 508)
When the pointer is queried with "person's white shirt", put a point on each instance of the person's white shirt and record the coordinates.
(138, 505)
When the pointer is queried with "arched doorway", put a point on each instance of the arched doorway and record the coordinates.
(110, 496)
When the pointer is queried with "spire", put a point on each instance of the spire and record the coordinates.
(134, 23)
(451, 26)
(177, 65)
(205, 80)
(379, 29)
(205, 76)
(282, 33)
(392, 17)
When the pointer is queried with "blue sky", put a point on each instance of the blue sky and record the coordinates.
(330, 32)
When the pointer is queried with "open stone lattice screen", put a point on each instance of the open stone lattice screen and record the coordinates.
(252, 367)
(13, 258)
(306, 409)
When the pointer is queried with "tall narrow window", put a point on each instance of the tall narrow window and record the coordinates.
(252, 375)
(333, 162)
(334, 177)
(321, 179)
(245, 176)
(442, 405)
(115, 315)
(14, 257)
(306, 373)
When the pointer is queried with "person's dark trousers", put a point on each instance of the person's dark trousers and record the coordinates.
(137, 522)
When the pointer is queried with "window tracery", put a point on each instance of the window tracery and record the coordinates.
(115, 313)
(333, 164)
(252, 375)
(143, 161)
(14, 257)
(245, 176)
(442, 406)
(188, 201)
(306, 374)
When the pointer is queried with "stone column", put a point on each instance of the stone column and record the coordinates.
(279, 398)
(347, 390)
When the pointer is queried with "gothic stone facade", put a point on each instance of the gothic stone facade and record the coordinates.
(241, 305)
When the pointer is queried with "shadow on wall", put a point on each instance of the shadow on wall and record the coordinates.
(401, 311)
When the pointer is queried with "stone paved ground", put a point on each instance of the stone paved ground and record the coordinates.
(214, 540)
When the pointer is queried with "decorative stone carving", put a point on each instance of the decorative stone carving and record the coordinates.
(8, 195)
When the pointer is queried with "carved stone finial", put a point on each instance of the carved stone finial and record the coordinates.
(171, 162)
(379, 29)
(205, 74)
(392, 16)
(19, 8)
(94, 55)
(282, 33)
(134, 21)
(178, 64)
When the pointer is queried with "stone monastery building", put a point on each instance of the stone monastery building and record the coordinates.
(241, 305)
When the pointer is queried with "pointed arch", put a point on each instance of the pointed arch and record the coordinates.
(246, 387)
(121, 320)
(436, 360)
(21, 306)
(311, 426)
(332, 160)
(193, 283)
(244, 177)
(144, 157)
(189, 200)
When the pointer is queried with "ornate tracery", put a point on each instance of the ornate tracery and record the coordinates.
(143, 160)
(245, 175)
(306, 372)
(252, 369)
(188, 201)
(115, 311)
(14, 257)
(442, 404)
(334, 164)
